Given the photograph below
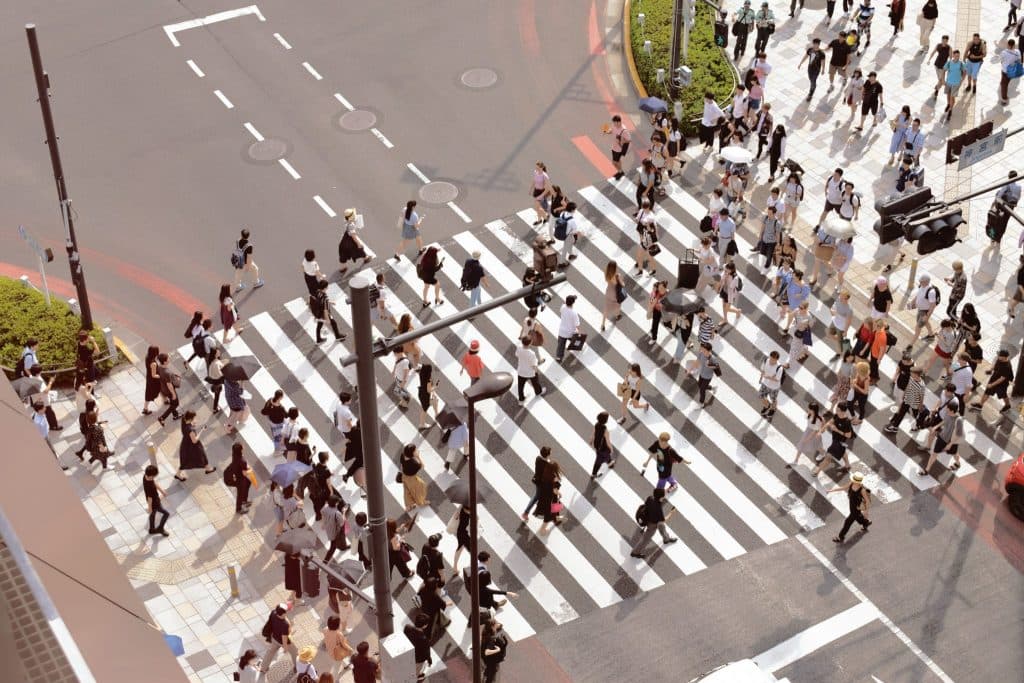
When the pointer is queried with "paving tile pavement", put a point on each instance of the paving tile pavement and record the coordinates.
(183, 579)
(820, 138)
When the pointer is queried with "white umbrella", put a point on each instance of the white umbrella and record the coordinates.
(737, 155)
(838, 227)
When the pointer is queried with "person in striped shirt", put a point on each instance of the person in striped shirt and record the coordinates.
(707, 329)
(913, 399)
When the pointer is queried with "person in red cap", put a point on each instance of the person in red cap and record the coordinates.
(472, 364)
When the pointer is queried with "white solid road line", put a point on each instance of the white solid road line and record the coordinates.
(255, 133)
(345, 103)
(459, 212)
(195, 67)
(323, 205)
(816, 637)
(288, 167)
(417, 172)
(380, 136)
(224, 100)
(284, 43)
(896, 630)
(312, 72)
(171, 29)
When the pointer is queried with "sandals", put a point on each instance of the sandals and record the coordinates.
(180, 478)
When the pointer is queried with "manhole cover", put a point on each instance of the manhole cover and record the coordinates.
(359, 119)
(479, 78)
(268, 150)
(438, 192)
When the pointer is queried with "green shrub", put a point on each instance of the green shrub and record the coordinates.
(710, 67)
(24, 314)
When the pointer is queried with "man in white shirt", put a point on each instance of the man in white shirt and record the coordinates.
(771, 383)
(726, 233)
(567, 326)
(526, 369)
(43, 427)
(402, 372)
(1007, 58)
(569, 216)
(42, 395)
(849, 202)
(926, 298)
(833, 194)
(344, 418)
(29, 357)
(739, 104)
(709, 120)
(962, 379)
(383, 311)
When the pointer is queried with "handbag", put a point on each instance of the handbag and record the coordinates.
(654, 249)
(556, 507)
(880, 116)
(537, 338)
(622, 389)
(453, 523)
(1015, 70)
(824, 252)
(620, 293)
(405, 551)
(398, 478)
(577, 341)
(731, 249)
(770, 27)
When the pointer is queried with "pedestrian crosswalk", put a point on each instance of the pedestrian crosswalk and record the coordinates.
(737, 495)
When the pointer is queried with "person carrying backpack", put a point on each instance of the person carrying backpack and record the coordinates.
(474, 279)
(567, 232)
(320, 307)
(654, 519)
(237, 476)
(925, 301)
(242, 262)
(27, 359)
(305, 672)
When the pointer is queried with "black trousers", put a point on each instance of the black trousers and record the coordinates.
(706, 135)
(157, 507)
(762, 40)
(951, 307)
(859, 405)
(792, 5)
(600, 457)
(773, 162)
(521, 384)
(51, 418)
(334, 328)
(702, 388)
(741, 45)
(655, 324)
(339, 543)
(902, 412)
(854, 516)
(242, 492)
(830, 7)
(216, 387)
(172, 407)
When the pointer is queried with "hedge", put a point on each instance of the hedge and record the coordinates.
(24, 314)
(710, 67)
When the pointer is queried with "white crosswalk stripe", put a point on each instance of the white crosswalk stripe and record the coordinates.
(736, 495)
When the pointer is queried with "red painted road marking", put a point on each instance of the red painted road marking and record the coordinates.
(594, 155)
(162, 288)
(528, 27)
(597, 68)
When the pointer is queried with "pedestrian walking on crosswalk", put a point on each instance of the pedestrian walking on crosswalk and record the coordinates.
(413, 486)
(728, 291)
(647, 246)
(276, 413)
(614, 294)
(810, 443)
(665, 457)
(531, 329)
(426, 392)
(410, 223)
(401, 373)
(540, 464)
(568, 326)
(549, 505)
(474, 279)
(540, 190)
(839, 326)
(771, 229)
(320, 307)
(427, 267)
(655, 309)
(653, 519)
(383, 299)
(239, 409)
(841, 429)
(629, 390)
(800, 340)
(861, 385)
(859, 497)
(459, 527)
(411, 348)
(526, 370)
(556, 205)
(334, 521)
(772, 372)
(601, 442)
(567, 230)
(472, 363)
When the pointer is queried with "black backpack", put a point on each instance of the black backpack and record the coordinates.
(316, 306)
(230, 477)
(304, 677)
(19, 367)
(641, 515)
(705, 224)
(562, 227)
(423, 567)
(471, 275)
(199, 343)
(938, 295)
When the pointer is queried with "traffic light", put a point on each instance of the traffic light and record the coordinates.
(955, 144)
(935, 232)
(690, 12)
(721, 34)
(887, 227)
(545, 259)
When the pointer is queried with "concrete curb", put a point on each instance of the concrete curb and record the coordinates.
(125, 351)
(627, 48)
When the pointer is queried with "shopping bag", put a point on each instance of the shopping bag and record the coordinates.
(577, 341)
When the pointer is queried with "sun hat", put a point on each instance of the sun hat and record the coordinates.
(349, 213)
(882, 280)
(307, 654)
(474, 345)
(856, 476)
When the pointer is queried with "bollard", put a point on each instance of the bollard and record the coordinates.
(152, 453)
(25, 282)
(73, 305)
(913, 274)
(108, 337)
(233, 580)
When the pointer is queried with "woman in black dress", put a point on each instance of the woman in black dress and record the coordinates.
(191, 453)
(602, 445)
(96, 440)
(427, 393)
(85, 365)
(350, 248)
(293, 577)
(237, 472)
(426, 270)
(398, 551)
(462, 539)
(547, 491)
(152, 379)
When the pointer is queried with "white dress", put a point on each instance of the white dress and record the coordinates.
(810, 441)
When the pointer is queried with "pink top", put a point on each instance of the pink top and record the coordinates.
(540, 179)
(756, 92)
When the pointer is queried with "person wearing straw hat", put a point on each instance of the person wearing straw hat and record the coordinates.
(350, 248)
(860, 501)
(305, 672)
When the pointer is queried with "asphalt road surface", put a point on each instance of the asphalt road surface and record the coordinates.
(163, 174)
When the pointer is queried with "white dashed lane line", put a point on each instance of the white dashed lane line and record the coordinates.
(224, 100)
(252, 129)
(417, 172)
(284, 43)
(192, 65)
(451, 205)
(291, 169)
(312, 72)
(380, 136)
(344, 102)
(323, 205)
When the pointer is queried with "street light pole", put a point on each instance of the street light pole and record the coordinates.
(488, 386)
(677, 30)
(71, 242)
(369, 424)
